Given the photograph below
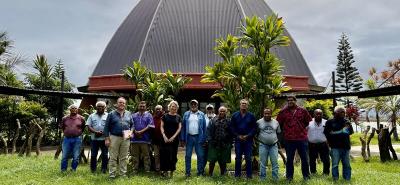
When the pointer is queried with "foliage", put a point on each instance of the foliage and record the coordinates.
(5, 43)
(255, 75)
(348, 78)
(352, 113)
(325, 105)
(152, 87)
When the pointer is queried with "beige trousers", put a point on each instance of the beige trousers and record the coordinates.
(140, 151)
(119, 148)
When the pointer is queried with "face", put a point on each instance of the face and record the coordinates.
(340, 113)
(210, 111)
(222, 113)
(142, 107)
(244, 105)
(318, 116)
(173, 108)
(193, 107)
(291, 102)
(158, 111)
(73, 111)
(121, 104)
(100, 109)
(267, 114)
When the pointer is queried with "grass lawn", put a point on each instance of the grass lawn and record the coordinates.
(45, 170)
(355, 140)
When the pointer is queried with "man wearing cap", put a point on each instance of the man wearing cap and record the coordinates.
(72, 126)
(209, 116)
(96, 123)
(193, 134)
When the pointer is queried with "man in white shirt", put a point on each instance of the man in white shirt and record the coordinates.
(318, 143)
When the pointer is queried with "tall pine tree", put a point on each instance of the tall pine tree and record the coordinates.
(348, 79)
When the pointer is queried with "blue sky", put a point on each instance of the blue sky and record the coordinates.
(77, 31)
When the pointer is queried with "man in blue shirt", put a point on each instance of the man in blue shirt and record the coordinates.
(142, 122)
(96, 123)
(244, 127)
(193, 134)
(117, 135)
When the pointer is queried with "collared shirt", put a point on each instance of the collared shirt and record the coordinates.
(140, 122)
(316, 132)
(193, 123)
(209, 117)
(218, 133)
(97, 122)
(72, 126)
(243, 125)
(294, 123)
(117, 123)
(335, 135)
(268, 131)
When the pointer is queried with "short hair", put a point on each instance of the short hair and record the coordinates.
(318, 110)
(267, 108)
(101, 103)
(339, 108)
(173, 102)
(291, 96)
(142, 102)
(158, 107)
(244, 100)
(122, 98)
(73, 106)
(222, 107)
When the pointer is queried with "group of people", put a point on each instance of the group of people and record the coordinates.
(141, 134)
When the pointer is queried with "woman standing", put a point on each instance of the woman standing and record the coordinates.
(171, 124)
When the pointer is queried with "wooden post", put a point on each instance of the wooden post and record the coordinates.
(14, 143)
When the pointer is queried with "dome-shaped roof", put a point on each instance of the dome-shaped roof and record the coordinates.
(180, 35)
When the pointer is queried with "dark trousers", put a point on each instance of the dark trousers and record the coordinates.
(321, 149)
(243, 148)
(301, 147)
(95, 146)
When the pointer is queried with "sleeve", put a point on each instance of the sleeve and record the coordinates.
(204, 129)
(210, 130)
(132, 122)
(233, 127)
(278, 129)
(151, 122)
(253, 124)
(106, 131)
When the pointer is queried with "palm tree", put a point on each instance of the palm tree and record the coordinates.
(375, 103)
(391, 108)
(5, 43)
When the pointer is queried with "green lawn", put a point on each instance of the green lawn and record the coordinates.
(45, 170)
(355, 140)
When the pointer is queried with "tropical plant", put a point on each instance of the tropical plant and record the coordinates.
(255, 74)
(374, 103)
(325, 105)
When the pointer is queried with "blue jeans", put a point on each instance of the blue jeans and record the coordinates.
(270, 151)
(243, 148)
(96, 145)
(339, 154)
(193, 141)
(301, 147)
(71, 147)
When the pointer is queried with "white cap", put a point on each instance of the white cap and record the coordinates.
(210, 106)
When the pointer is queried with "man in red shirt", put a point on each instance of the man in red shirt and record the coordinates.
(294, 121)
(72, 126)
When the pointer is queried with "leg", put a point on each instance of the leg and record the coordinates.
(273, 154)
(222, 167)
(345, 155)
(263, 160)
(199, 149)
(324, 154)
(238, 158)
(145, 152)
(290, 151)
(335, 163)
(114, 152)
(76, 152)
(247, 156)
(123, 156)
(66, 152)
(135, 155)
(302, 149)
(211, 166)
(188, 155)
(93, 154)
(156, 149)
(313, 154)
(104, 156)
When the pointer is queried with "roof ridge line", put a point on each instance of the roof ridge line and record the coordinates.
(148, 31)
(242, 9)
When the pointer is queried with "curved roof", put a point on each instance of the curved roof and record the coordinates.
(180, 35)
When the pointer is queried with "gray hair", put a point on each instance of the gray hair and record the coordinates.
(222, 108)
(173, 102)
(73, 106)
(158, 107)
(318, 110)
(244, 100)
(101, 103)
(339, 108)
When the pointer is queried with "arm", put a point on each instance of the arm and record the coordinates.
(233, 128)
(183, 128)
(253, 125)
(106, 131)
(177, 131)
(204, 129)
(89, 123)
(210, 130)
(162, 131)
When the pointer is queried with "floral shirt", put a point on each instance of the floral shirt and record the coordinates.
(294, 123)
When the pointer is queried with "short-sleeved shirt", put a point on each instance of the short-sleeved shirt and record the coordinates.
(72, 126)
(97, 122)
(316, 132)
(294, 123)
(140, 122)
(171, 125)
(267, 131)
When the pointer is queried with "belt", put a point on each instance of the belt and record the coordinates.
(193, 134)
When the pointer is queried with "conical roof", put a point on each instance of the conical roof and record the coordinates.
(180, 35)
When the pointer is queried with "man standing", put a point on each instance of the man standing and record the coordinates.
(219, 138)
(72, 126)
(317, 143)
(157, 138)
(338, 131)
(193, 134)
(96, 123)
(243, 125)
(209, 116)
(117, 134)
(294, 121)
(142, 123)
(268, 129)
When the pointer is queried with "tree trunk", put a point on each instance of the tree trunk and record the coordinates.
(16, 136)
(4, 141)
(390, 146)
(363, 139)
(395, 135)
(33, 127)
(42, 131)
(82, 155)
(369, 140)
(382, 142)
(58, 151)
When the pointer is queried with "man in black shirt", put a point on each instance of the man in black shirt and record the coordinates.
(338, 131)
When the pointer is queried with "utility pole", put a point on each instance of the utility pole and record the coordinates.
(333, 89)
